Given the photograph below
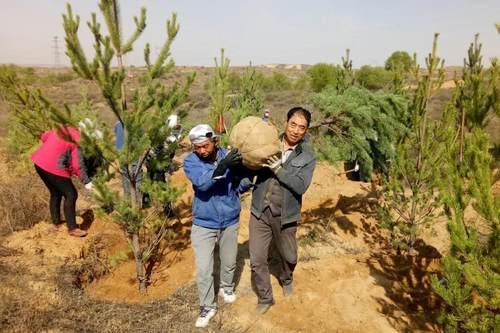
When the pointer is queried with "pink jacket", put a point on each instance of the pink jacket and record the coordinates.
(59, 156)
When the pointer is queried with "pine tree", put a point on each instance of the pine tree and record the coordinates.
(143, 117)
(249, 101)
(345, 76)
(410, 196)
(478, 96)
(144, 121)
(358, 125)
(220, 104)
(470, 280)
(471, 271)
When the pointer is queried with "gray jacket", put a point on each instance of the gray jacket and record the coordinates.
(294, 177)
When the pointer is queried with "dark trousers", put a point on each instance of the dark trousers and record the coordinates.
(263, 231)
(60, 187)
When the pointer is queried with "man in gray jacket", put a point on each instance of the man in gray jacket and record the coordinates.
(276, 205)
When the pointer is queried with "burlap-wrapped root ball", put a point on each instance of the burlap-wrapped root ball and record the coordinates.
(256, 139)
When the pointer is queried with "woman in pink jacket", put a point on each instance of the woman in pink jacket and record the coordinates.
(57, 159)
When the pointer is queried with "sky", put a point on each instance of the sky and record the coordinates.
(264, 32)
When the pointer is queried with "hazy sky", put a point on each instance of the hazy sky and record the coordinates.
(265, 32)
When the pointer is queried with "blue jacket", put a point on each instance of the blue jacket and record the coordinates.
(216, 203)
(120, 135)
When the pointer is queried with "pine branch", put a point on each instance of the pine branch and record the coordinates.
(140, 25)
(111, 12)
(74, 49)
(159, 67)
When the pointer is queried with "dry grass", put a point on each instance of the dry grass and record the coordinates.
(24, 203)
(22, 310)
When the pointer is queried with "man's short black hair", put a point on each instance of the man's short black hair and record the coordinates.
(299, 110)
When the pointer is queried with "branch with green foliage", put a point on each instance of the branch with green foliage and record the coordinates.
(358, 125)
(410, 195)
(220, 104)
(249, 100)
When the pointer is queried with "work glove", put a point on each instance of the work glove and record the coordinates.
(273, 163)
(89, 186)
(232, 159)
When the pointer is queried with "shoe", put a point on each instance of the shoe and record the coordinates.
(77, 232)
(263, 307)
(228, 296)
(288, 290)
(54, 227)
(206, 314)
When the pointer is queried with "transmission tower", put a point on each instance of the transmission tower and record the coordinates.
(57, 54)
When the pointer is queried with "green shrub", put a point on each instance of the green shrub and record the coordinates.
(322, 75)
(301, 83)
(399, 59)
(373, 78)
(275, 82)
(54, 78)
(234, 81)
(281, 81)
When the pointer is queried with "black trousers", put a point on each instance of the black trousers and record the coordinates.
(60, 187)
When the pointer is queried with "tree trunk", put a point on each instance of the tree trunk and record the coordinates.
(136, 244)
(139, 264)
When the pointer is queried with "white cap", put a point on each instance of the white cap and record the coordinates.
(201, 133)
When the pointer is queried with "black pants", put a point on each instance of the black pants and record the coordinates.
(60, 187)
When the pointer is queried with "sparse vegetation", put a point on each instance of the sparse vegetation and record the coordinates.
(432, 149)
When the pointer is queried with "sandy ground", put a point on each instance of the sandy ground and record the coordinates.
(343, 283)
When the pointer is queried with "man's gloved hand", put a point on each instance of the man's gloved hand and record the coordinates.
(89, 186)
(232, 159)
(273, 163)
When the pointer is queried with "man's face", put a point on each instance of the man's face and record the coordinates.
(295, 130)
(204, 149)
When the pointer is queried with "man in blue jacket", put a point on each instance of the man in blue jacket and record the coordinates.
(216, 214)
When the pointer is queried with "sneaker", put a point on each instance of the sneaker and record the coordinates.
(263, 307)
(228, 296)
(55, 226)
(288, 290)
(77, 232)
(205, 315)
